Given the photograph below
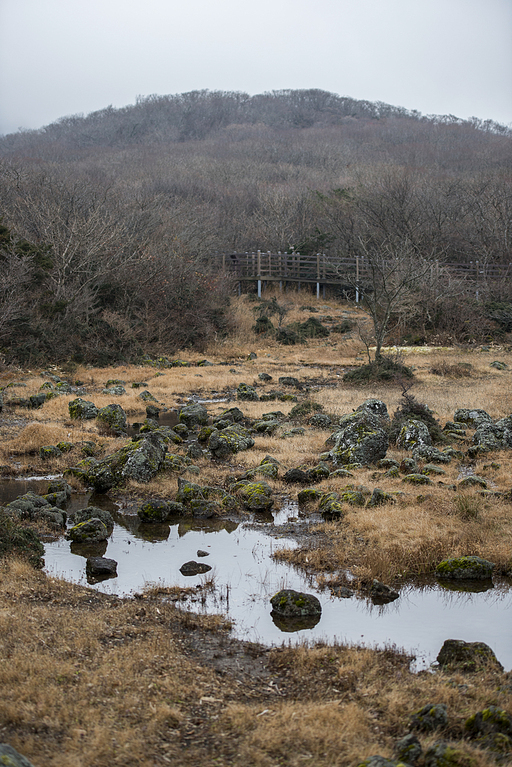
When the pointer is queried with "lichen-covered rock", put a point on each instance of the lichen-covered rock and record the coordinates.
(492, 729)
(59, 485)
(417, 479)
(266, 427)
(297, 477)
(473, 481)
(232, 414)
(82, 410)
(330, 506)
(28, 504)
(37, 400)
(359, 440)
(114, 391)
(472, 417)
(113, 417)
(376, 407)
(441, 754)
(430, 717)
(465, 568)
(309, 495)
(380, 498)
(93, 512)
(193, 415)
(154, 510)
(291, 604)
(246, 393)
(320, 421)
(318, 472)
(431, 454)
(231, 440)
(47, 452)
(289, 381)
(408, 749)
(379, 761)
(488, 437)
(146, 396)
(255, 496)
(88, 532)
(188, 491)
(140, 461)
(11, 758)
(455, 654)
(413, 434)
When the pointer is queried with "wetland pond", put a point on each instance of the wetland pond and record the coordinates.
(245, 575)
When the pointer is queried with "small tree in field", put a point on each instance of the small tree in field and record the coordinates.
(393, 277)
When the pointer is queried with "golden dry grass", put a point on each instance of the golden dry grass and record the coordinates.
(94, 681)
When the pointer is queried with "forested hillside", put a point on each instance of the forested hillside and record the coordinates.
(110, 219)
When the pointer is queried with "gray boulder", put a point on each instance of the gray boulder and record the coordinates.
(414, 433)
(360, 440)
(101, 567)
(230, 440)
(193, 415)
(94, 512)
(11, 758)
(295, 604)
(82, 410)
(430, 717)
(246, 393)
(472, 417)
(113, 417)
(88, 532)
(255, 496)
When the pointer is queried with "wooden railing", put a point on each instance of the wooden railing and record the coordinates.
(346, 273)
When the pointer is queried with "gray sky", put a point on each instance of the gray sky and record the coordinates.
(63, 57)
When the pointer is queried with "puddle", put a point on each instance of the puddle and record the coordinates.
(245, 576)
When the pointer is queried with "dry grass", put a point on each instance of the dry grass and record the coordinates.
(94, 681)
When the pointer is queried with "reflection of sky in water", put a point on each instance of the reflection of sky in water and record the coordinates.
(246, 577)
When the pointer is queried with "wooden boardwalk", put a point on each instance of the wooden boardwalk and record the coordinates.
(349, 275)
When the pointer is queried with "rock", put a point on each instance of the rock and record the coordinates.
(54, 518)
(464, 568)
(140, 460)
(27, 505)
(201, 553)
(153, 511)
(376, 407)
(264, 377)
(82, 410)
(499, 365)
(101, 567)
(295, 604)
(492, 729)
(11, 758)
(488, 437)
(430, 717)
(233, 439)
(194, 568)
(381, 593)
(47, 452)
(193, 415)
(146, 396)
(456, 654)
(473, 481)
(360, 439)
(152, 411)
(330, 506)
(113, 417)
(417, 479)
(290, 381)
(247, 393)
(380, 497)
(88, 532)
(440, 754)
(431, 454)
(194, 450)
(378, 761)
(297, 477)
(38, 400)
(474, 418)
(408, 749)
(93, 512)
(318, 472)
(232, 414)
(59, 486)
(414, 433)
(255, 496)
(114, 391)
(320, 421)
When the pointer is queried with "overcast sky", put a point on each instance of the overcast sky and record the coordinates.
(63, 57)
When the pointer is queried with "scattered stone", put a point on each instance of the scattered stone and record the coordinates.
(113, 417)
(88, 532)
(154, 510)
(492, 729)
(297, 477)
(417, 479)
(380, 497)
(440, 754)
(47, 452)
(499, 365)
(473, 481)
(264, 377)
(201, 553)
(408, 749)
(193, 415)
(290, 381)
(11, 758)
(255, 496)
(194, 568)
(114, 391)
(231, 440)
(93, 512)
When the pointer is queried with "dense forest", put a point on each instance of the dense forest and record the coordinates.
(109, 221)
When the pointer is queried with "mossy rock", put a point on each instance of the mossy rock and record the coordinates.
(9, 757)
(289, 603)
(491, 720)
(82, 410)
(430, 717)
(193, 415)
(417, 479)
(233, 439)
(64, 446)
(155, 510)
(380, 498)
(255, 496)
(441, 754)
(457, 655)
(93, 512)
(246, 393)
(47, 452)
(91, 531)
(113, 417)
(309, 495)
(473, 481)
(465, 568)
